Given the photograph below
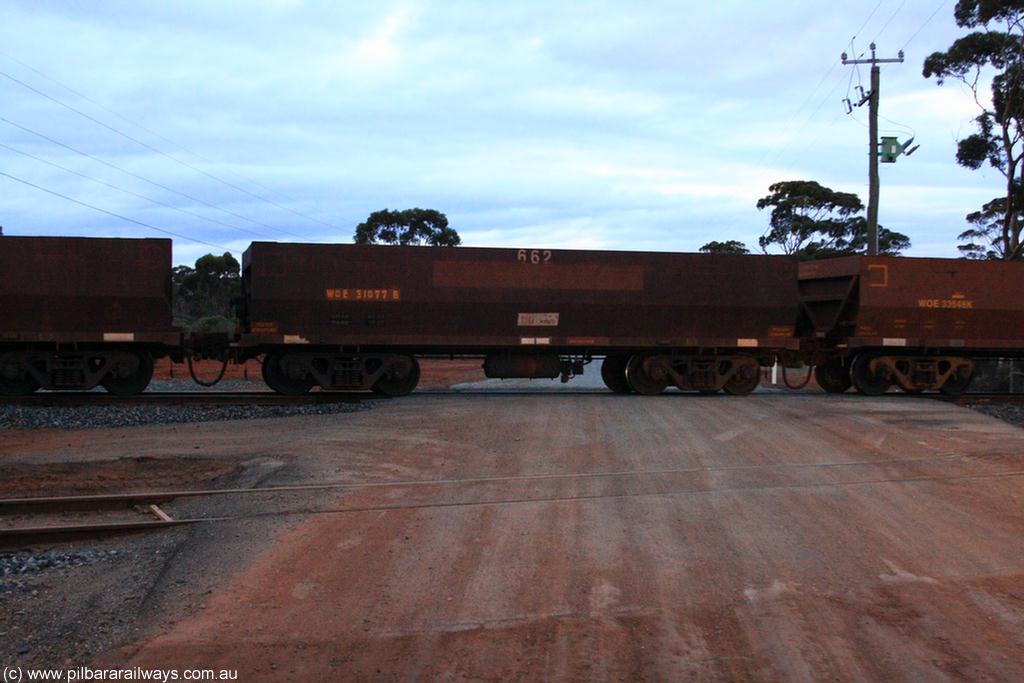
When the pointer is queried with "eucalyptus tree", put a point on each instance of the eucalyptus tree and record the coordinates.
(994, 46)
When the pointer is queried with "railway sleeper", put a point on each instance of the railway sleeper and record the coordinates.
(121, 371)
(295, 373)
(948, 374)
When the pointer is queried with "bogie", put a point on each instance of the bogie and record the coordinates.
(296, 372)
(872, 373)
(121, 371)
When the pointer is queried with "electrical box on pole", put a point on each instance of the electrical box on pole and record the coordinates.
(873, 147)
(889, 150)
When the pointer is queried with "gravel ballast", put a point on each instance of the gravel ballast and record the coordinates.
(107, 416)
(1007, 412)
(95, 417)
(16, 568)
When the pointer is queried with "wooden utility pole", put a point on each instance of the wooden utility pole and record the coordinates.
(872, 99)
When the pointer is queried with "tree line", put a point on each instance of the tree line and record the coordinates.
(811, 221)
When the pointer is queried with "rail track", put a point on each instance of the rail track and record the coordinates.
(46, 518)
(30, 521)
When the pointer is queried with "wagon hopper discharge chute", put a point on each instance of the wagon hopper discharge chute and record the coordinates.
(915, 323)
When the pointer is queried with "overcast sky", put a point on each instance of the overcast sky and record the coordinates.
(607, 125)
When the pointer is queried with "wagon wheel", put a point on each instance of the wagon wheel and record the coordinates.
(400, 379)
(15, 379)
(613, 372)
(865, 381)
(130, 375)
(277, 378)
(639, 379)
(832, 376)
(955, 385)
(744, 380)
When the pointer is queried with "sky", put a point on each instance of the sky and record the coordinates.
(652, 125)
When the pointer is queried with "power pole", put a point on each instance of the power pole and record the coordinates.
(872, 99)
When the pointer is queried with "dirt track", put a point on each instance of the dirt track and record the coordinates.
(595, 537)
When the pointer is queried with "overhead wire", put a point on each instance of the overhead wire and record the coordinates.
(857, 32)
(828, 95)
(130, 173)
(130, 192)
(111, 213)
(926, 22)
(157, 135)
(889, 21)
(855, 73)
(162, 153)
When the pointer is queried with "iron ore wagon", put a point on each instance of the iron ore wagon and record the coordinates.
(357, 316)
(80, 312)
(917, 323)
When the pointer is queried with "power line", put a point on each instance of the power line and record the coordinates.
(111, 213)
(159, 136)
(156, 150)
(828, 96)
(926, 22)
(803, 122)
(865, 22)
(889, 21)
(134, 194)
(139, 177)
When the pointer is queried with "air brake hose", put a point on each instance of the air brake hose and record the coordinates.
(801, 385)
(191, 371)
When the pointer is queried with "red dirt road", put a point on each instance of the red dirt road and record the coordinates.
(606, 538)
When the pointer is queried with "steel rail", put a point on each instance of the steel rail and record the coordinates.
(35, 505)
(29, 535)
(23, 536)
(112, 500)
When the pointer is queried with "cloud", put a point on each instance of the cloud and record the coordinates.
(656, 125)
(375, 54)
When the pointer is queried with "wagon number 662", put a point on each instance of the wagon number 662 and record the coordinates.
(534, 255)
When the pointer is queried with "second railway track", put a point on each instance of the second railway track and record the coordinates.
(28, 521)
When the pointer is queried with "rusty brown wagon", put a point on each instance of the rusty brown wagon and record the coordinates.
(80, 312)
(357, 316)
(916, 323)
